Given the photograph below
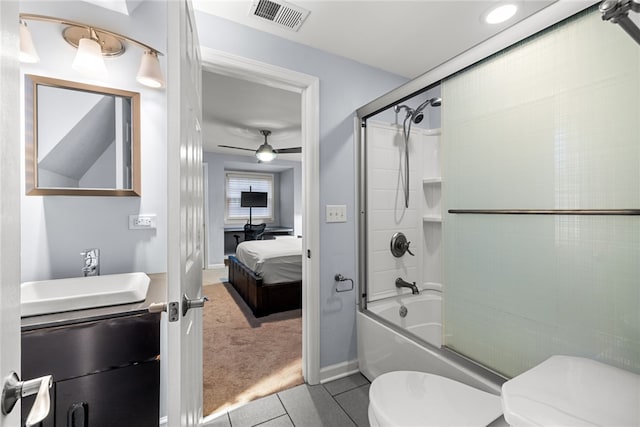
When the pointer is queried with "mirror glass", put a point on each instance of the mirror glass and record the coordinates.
(81, 139)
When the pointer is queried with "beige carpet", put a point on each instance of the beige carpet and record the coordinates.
(246, 358)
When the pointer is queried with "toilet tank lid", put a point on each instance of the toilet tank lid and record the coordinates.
(566, 390)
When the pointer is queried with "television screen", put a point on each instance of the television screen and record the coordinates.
(253, 199)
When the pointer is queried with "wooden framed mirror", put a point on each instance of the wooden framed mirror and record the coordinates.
(81, 140)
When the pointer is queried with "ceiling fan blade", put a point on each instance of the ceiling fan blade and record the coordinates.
(288, 150)
(237, 148)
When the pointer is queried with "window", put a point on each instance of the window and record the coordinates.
(236, 183)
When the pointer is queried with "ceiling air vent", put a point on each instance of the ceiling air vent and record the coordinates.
(279, 12)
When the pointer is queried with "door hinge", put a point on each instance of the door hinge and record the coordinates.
(309, 253)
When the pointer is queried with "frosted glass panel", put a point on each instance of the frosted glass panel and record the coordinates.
(551, 123)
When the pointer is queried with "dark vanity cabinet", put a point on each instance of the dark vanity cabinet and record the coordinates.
(106, 372)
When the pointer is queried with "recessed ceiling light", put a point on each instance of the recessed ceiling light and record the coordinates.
(501, 13)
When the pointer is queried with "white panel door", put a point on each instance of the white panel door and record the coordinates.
(9, 200)
(184, 235)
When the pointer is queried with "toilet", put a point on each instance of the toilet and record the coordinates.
(572, 391)
(561, 391)
(410, 399)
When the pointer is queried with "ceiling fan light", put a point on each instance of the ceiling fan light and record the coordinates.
(149, 73)
(28, 53)
(265, 153)
(89, 59)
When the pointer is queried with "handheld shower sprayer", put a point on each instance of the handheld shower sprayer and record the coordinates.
(418, 115)
(413, 116)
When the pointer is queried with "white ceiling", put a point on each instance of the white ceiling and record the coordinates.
(407, 38)
(234, 112)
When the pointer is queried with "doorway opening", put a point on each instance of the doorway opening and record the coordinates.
(294, 219)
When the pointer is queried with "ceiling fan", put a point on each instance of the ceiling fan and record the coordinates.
(266, 153)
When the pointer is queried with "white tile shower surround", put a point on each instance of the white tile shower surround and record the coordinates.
(386, 206)
(340, 403)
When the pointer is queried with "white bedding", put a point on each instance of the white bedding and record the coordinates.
(278, 260)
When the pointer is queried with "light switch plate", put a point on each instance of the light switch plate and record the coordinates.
(336, 213)
(142, 222)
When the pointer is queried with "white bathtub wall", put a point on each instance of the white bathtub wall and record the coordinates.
(382, 350)
(551, 123)
(386, 210)
(422, 314)
(432, 277)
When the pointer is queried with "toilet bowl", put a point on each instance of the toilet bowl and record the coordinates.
(410, 398)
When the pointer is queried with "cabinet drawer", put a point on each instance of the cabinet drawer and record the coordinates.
(84, 348)
(119, 397)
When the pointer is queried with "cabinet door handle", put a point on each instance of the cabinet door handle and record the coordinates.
(78, 410)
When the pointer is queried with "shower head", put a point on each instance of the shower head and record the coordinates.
(418, 115)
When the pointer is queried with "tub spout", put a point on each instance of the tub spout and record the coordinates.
(404, 284)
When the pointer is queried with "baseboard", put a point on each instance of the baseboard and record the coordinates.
(214, 266)
(164, 422)
(339, 370)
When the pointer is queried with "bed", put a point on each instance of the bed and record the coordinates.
(268, 274)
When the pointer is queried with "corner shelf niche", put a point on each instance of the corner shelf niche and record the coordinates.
(432, 212)
(432, 180)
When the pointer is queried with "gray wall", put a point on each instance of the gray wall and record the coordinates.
(55, 229)
(287, 196)
(283, 209)
(344, 86)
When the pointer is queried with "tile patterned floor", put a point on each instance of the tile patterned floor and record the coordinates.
(340, 403)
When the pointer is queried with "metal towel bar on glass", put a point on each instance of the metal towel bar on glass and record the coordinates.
(546, 211)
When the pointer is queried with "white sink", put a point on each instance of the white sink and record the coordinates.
(572, 391)
(77, 293)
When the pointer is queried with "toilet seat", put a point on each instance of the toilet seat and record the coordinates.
(572, 391)
(409, 398)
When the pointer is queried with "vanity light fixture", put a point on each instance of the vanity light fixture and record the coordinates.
(93, 45)
(89, 56)
(500, 13)
(28, 52)
(149, 73)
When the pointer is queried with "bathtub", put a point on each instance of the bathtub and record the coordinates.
(423, 316)
(384, 345)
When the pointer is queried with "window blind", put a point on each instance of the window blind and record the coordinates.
(236, 183)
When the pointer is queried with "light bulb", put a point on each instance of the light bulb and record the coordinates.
(89, 58)
(28, 52)
(149, 73)
(501, 13)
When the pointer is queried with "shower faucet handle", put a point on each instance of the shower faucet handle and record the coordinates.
(400, 245)
(409, 250)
